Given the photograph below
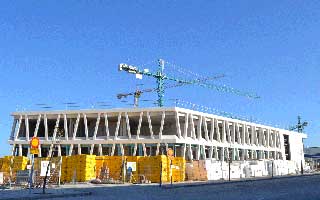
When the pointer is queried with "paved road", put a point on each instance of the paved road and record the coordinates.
(293, 188)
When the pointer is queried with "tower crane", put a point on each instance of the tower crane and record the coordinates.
(160, 77)
(137, 94)
(300, 126)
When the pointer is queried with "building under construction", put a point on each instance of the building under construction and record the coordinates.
(151, 131)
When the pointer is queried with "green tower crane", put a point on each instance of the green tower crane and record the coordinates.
(300, 126)
(160, 77)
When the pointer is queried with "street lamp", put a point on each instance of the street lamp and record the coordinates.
(54, 149)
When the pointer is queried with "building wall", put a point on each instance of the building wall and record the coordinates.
(151, 131)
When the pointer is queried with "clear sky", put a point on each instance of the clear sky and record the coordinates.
(58, 51)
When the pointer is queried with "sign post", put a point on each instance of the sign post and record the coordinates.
(170, 155)
(34, 149)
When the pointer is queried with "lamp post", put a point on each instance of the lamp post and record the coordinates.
(54, 148)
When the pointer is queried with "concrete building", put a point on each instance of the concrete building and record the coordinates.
(151, 131)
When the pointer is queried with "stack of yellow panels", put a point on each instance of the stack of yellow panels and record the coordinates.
(99, 165)
(1, 162)
(18, 163)
(178, 169)
(6, 164)
(151, 168)
(64, 170)
(71, 171)
(85, 168)
(114, 164)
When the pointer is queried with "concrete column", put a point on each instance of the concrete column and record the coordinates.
(118, 126)
(122, 149)
(66, 131)
(268, 138)
(223, 131)
(227, 130)
(243, 151)
(199, 127)
(222, 154)
(85, 121)
(39, 150)
(70, 150)
(97, 127)
(206, 128)
(192, 127)
(212, 130)
(253, 135)
(261, 134)
(59, 150)
(198, 153)
(100, 149)
(204, 151)
(211, 152)
(158, 149)
(247, 141)
(234, 153)
(139, 126)
(14, 124)
(79, 149)
(13, 150)
(144, 149)
(91, 149)
(136, 147)
(216, 153)
(20, 149)
(150, 125)
(178, 125)
(227, 153)
(245, 156)
(26, 120)
(186, 124)
(112, 149)
(190, 152)
(16, 135)
(184, 150)
(218, 129)
(46, 127)
(233, 133)
(162, 124)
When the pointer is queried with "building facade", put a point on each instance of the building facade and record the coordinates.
(151, 131)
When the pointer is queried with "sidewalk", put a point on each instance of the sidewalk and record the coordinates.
(216, 182)
(23, 194)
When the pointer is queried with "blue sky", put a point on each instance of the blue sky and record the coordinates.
(59, 51)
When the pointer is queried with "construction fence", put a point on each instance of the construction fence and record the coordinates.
(108, 169)
(139, 169)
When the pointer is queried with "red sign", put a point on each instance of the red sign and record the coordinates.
(34, 143)
(170, 154)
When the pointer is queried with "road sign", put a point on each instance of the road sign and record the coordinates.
(133, 166)
(44, 166)
(1, 177)
(34, 143)
(34, 151)
(170, 154)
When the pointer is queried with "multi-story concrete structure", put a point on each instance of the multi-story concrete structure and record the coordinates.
(150, 131)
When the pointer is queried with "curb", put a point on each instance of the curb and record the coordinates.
(199, 184)
(50, 196)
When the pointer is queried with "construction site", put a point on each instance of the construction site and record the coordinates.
(147, 144)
